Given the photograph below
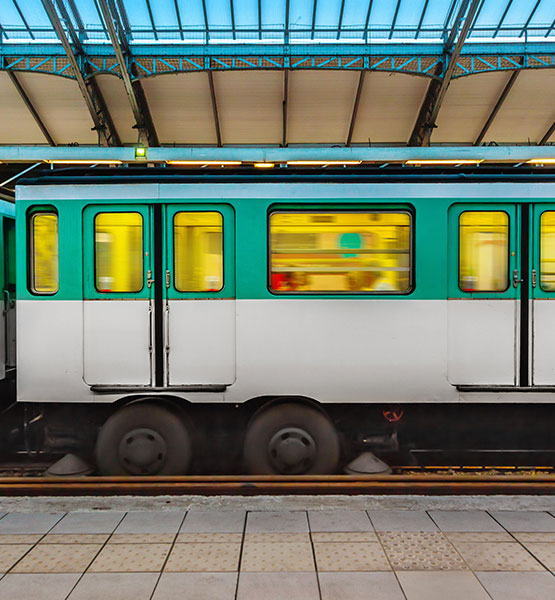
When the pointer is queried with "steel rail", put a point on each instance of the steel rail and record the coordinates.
(206, 485)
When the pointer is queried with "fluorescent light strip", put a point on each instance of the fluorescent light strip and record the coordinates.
(193, 163)
(83, 162)
(322, 162)
(541, 161)
(263, 165)
(462, 161)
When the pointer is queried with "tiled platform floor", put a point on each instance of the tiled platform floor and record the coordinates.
(264, 555)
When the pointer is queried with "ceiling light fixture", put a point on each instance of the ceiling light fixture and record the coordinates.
(446, 161)
(315, 163)
(541, 161)
(263, 165)
(197, 163)
(79, 161)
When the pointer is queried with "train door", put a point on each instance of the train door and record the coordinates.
(542, 294)
(118, 295)
(483, 294)
(199, 295)
(9, 307)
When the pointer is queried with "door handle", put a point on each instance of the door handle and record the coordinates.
(168, 278)
(149, 280)
(534, 278)
(516, 279)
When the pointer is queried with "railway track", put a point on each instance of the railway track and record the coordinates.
(413, 482)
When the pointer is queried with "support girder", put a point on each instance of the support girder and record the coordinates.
(426, 121)
(285, 103)
(133, 89)
(103, 124)
(215, 108)
(355, 108)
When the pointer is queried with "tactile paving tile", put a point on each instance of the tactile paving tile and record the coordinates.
(213, 538)
(142, 538)
(10, 554)
(130, 558)
(57, 558)
(350, 556)
(203, 557)
(277, 537)
(499, 556)
(474, 536)
(79, 538)
(20, 538)
(543, 551)
(277, 556)
(421, 551)
(539, 536)
(345, 536)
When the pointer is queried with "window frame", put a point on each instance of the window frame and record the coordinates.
(31, 265)
(541, 214)
(508, 257)
(94, 254)
(174, 253)
(354, 210)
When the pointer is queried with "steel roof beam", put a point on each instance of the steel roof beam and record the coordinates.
(150, 16)
(260, 19)
(435, 95)
(286, 32)
(31, 108)
(422, 15)
(530, 18)
(90, 91)
(78, 19)
(551, 27)
(502, 18)
(124, 18)
(284, 107)
(100, 17)
(355, 108)
(340, 23)
(178, 17)
(496, 108)
(205, 15)
(232, 13)
(22, 17)
(367, 22)
(133, 89)
(314, 9)
(214, 102)
(394, 19)
(448, 18)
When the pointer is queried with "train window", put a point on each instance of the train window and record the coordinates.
(484, 251)
(44, 253)
(547, 251)
(118, 252)
(340, 252)
(198, 254)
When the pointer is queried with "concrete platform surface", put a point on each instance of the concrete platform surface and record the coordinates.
(334, 552)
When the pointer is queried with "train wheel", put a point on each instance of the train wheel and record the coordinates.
(143, 439)
(291, 439)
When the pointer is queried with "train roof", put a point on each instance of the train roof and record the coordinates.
(363, 174)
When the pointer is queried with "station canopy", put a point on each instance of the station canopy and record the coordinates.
(277, 73)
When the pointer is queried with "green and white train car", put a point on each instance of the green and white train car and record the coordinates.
(299, 316)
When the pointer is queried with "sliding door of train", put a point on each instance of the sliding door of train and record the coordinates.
(483, 305)
(542, 294)
(199, 297)
(118, 295)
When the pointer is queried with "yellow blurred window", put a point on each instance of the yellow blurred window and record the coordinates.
(547, 251)
(198, 241)
(44, 239)
(118, 243)
(484, 251)
(344, 252)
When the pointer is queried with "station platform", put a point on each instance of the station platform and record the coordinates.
(331, 551)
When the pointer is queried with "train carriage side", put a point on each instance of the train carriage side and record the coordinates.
(295, 320)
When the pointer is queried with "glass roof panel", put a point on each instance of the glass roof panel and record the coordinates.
(499, 19)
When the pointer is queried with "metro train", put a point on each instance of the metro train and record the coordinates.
(166, 322)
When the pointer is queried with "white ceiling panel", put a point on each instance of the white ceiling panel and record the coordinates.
(467, 106)
(17, 126)
(181, 108)
(529, 110)
(320, 106)
(119, 108)
(250, 106)
(388, 107)
(61, 107)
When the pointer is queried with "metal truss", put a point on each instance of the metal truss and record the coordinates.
(147, 60)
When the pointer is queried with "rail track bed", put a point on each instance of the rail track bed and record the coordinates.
(421, 481)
